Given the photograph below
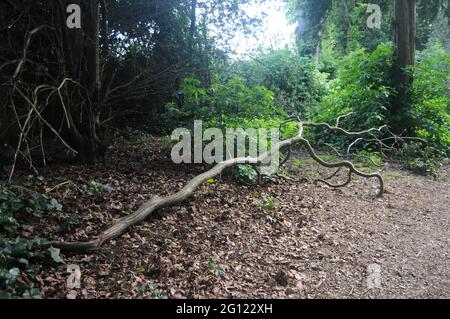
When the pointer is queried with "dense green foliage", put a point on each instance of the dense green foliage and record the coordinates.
(431, 97)
(362, 87)
(19, 208)
(342, 24)
(228, 104)
(295, 80)
(359, 62)
(360, 84)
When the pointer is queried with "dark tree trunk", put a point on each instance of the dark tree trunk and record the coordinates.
(405, 35)
(92, 152)
(104, 29)
(404, 57)
(192, 28)
(81, 62)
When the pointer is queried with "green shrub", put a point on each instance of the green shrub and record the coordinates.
(295, 80)
(22, 255)
(269, 203)
(420, 158)
(228, 105)
(244, 174)
(97, 189)
(18, 207)
(223, 105)
(363, 87)
(431, 111)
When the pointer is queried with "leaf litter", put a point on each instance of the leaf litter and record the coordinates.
(315, 242)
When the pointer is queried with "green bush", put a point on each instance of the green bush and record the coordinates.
(223, 105)
(97, 189)
(421, 158)
(22, 256)
(431, 111)
(21, 205)
(269, 203)
(295, 80)
(362, 87)
(227, 105)
(245, 174)
(18, 207)
(198, 106)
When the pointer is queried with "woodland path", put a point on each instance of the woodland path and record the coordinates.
(315, 242)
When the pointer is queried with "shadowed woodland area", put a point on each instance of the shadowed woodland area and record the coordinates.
(93, 205)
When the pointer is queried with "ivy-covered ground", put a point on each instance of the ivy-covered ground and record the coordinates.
(286, 238)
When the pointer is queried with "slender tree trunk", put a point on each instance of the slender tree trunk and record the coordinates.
(91, 149)
(404, 57)
(81, 63)
(405, 33)
(206, 63)
(192, 28)
(104, 29)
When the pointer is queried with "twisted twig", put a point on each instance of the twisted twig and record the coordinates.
(349, 179)
(122, 225)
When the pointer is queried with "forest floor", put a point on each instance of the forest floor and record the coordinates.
(284, 239)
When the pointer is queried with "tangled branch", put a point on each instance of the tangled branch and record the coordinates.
(157, 202)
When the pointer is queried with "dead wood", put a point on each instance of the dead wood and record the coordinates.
(157, 202)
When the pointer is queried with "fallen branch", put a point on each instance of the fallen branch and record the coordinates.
(122, 225)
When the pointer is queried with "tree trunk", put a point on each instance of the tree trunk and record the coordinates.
(404, 57)
(81, 63)
(205, 57)
(405, 36)
(192, 28)
(91, 152)
(104, 29)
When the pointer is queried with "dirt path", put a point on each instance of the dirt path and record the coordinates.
(287, 239)
(406, 233)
